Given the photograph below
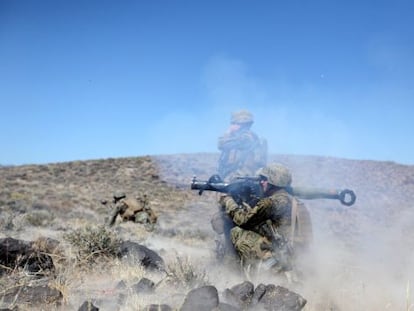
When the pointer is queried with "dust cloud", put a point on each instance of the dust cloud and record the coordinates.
(362, 256)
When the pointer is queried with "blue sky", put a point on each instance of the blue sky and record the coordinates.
(92, 79)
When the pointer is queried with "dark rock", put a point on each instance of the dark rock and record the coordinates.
(88, 306)
(244, 291)
(158, 307)
(278, 298)
(141, 254)
(239, 295)
(143, 286)
(258, 294)
(227, 307)
(232, 298)
(11, 249)
(121, 285)
(18, 253)
(37, 262)
(204, 298)
(39, 294)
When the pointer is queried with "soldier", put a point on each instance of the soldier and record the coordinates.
(265, 234)
(242, 154)
(242, 151)
(136, 210)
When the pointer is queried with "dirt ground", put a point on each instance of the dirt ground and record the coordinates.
(362, 256)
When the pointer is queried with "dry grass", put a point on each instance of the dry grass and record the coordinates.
(364, 255)
(184, 274)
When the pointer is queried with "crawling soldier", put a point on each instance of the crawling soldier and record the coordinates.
(136, 210)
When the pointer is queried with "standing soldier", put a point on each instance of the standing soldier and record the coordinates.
(242, 151)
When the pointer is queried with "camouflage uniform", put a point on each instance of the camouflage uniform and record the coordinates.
(242, 151)
(242, 154)
(132, 209)
(263, 233)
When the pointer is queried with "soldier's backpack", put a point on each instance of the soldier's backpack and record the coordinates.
(301, 233)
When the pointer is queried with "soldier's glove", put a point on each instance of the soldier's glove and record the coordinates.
(262, 211)
(264, 206)
(228, 203)
(224, 199)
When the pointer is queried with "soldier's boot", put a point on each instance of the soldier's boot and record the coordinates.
(270, 264)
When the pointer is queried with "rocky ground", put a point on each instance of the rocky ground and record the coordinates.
(362, 255)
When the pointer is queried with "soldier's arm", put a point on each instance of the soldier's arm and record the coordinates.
(152, 216)
(114, 214)
(275, 207)
(241, 141)
(239, 214)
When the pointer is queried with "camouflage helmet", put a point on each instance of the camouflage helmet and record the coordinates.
(276, 174)
(118, 195)
(241, 117)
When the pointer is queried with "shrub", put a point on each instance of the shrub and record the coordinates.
(39, 218)
(93, 243)
(182, 273)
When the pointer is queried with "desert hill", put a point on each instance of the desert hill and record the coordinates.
(362, 251)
